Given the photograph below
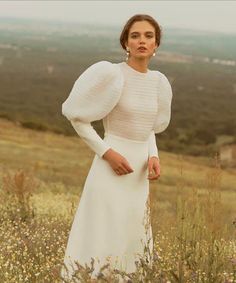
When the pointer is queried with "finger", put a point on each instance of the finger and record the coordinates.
(128, 167)
(118, 171)
(124, 169)
(157, 168)
(151, 169)
(151, 173)
(155, 177)
(150, 164)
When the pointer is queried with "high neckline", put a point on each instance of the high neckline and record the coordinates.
(135, 71)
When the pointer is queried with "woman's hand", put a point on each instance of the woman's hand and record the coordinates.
(154, 169)
(118, 162)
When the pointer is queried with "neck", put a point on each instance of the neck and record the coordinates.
(139, 65)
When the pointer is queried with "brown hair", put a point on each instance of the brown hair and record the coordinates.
(136, 18)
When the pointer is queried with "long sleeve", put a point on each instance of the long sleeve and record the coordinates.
(164, 99)
(94, 94)
(152, 146)
(90, 137)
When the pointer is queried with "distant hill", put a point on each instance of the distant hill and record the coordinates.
(39, 62)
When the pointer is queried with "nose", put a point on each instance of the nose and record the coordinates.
(142, 39)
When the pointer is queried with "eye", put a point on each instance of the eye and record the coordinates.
(134, 36)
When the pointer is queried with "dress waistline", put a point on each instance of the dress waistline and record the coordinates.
(106, 134)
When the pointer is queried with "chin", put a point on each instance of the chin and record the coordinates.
(142, 56)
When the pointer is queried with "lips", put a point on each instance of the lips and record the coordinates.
(142, 48)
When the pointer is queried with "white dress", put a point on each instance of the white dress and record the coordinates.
(111, 221)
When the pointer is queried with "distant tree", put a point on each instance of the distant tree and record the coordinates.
(230, 127)
(205, 135)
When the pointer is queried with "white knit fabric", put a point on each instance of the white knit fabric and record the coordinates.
(110, 219)
(131, 104)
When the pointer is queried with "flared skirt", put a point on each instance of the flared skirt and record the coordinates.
(112, 221)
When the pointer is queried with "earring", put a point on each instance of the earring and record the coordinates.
(154, 54)
(127, 53)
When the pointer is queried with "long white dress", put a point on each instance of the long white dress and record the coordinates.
(111, 221)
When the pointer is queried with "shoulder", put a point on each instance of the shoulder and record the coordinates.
(101, 72)
(162, 79)
(163, 83)
(101, 75)
(103, 68)
(161, 76)
(101, 65)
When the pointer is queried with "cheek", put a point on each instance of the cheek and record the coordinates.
(152, 45)
(132, 44)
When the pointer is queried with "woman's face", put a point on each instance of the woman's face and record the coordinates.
(141, 33)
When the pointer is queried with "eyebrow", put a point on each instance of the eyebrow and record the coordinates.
(139, 32)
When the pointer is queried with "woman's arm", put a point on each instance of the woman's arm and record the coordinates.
(90, 137)
(94, 94)
(152, 146)
(153, 158)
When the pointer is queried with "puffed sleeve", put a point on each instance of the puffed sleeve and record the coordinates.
(94, 94)
(164, 99)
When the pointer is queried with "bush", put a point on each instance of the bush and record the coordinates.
(34, 126)
(17, 189)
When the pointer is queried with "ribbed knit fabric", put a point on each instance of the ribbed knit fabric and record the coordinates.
(132, 104)
(111, 220)
(134, 115)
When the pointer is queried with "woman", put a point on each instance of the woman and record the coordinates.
(134, 103)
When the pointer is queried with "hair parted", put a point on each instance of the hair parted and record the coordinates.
(136, 18)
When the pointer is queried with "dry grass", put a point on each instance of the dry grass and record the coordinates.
(192, 213)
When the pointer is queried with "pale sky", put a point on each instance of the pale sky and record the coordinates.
(202, 15)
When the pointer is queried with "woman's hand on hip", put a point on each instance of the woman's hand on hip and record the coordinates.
(154, 169)
(119, 163)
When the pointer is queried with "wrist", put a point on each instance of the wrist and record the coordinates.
(154, 156)
(106, 154)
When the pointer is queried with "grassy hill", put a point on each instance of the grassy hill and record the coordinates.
(63, 162)
(41, 179)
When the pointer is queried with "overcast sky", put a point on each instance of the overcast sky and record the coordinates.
(202, 15)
